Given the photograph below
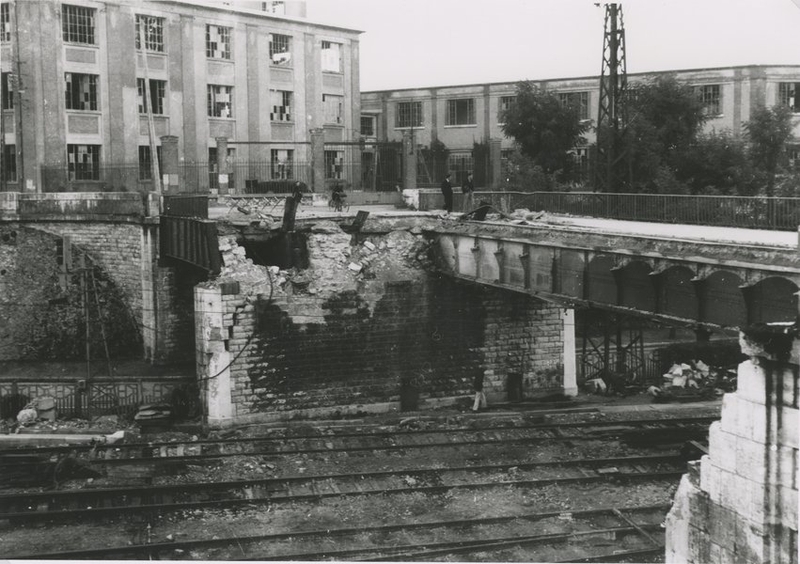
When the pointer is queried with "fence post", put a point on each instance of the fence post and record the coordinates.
(409, 162)
(495, 164)
(222, 164)
(169, 163)
(317, 160)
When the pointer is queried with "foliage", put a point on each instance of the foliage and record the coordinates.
(767, 132)
(524, 175)
(716, 163)
(544, 129)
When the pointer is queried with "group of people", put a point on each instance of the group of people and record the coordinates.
(467, 188)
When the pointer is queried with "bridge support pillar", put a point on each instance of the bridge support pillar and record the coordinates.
(570, 365)
(213, 358)
(409, 162)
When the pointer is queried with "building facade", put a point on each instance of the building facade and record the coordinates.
(79, 79)
(461, 116)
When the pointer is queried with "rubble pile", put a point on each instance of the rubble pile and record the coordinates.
(693, 381)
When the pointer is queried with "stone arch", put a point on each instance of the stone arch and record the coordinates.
(722, 301)
(772, 299)
(677, 295)
(601, 284)
(638, 290)
(44, 304)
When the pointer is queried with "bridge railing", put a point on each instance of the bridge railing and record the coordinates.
(186, 205)
(724, 211)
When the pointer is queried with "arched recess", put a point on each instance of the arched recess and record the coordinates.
(677, 295)
(638, 290)
(722, 301)
(772, 299)
(601, 285)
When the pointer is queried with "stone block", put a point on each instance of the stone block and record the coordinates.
(754, 379)
(723, 523)
(710, 479)
(699, 545)
(749, 546)
(722, 447)
(714, 553)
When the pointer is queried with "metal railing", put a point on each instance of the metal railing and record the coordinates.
(724, 211)
(186, 205)
(103, 177)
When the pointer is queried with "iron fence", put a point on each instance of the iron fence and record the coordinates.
(186, 205)
(723, 211)
(259, 177)
(99, 177)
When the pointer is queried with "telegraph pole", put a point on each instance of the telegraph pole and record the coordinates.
(611, 114)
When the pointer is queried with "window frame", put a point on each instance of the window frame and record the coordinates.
(212, 102)
(405, 112)
(788, 92)
(72, 31)
(503, 103)
(452, 112)
(6, 91)
(340, 58)
(156, 39)
(146, 164)
(73, 168)
(584, 99)
(9, 171)
(334, 164)
(460, 173)
(339, 99)
(276, 110)
(281, 169)
(94, 94)
(5, 22)
(225, 38)
(159, 107)
(711, 100)
(371, 119)
(274, 43)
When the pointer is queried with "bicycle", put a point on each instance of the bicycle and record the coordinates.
(338, 202)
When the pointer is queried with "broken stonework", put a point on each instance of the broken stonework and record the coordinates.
(743, 505)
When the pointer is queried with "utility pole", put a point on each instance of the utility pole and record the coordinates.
(148, 104)
(611, 114)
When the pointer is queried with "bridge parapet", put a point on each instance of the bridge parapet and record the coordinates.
(125, 207)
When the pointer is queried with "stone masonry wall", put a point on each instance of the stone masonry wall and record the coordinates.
(739, 503)
(366, 315)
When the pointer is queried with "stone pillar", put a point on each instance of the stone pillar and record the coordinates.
(169, 164)
(317, 160)
(496, 164)
(213, 360)
(409, 161)
(222, 164)
(570, 366)
(147, 266)
(739, 504)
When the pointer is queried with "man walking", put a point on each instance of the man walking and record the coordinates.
(447, 192)
(468, 188)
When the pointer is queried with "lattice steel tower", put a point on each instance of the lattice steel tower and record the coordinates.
(611, 165)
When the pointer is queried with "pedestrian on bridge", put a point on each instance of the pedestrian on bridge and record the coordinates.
(447, 192)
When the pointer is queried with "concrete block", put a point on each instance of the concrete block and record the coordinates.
(755, 379)
(722, 447)
(710, 480)
(699, 545)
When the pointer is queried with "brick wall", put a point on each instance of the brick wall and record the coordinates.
(174, 297)
(348, 339)
(43, 309)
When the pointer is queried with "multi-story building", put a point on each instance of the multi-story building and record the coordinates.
(461, 116)
(74, 78)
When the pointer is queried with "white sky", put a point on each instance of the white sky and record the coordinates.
(409, 43)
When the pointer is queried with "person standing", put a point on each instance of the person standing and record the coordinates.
(468, 188)
(447, 192)
(480, 397)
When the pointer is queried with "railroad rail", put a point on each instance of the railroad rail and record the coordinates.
(171, 497)
(277, 546)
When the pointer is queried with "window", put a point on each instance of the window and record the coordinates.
(503, 105)
(280, 49)
(277, 8)
(282, 161)
(6, 91)
(5, 22)
(710, 96)
(81, 93)
(153, 33)
(409, 114)
(146, 163)
(9, 172)
(460, 112)
(332, 106)
(218, 42)
(77, 24)
(794, 157)
(220, 101)
(789, 95)
(579, 100)
(331, 57)
(460, 164)
(368, 126)
(334, 164)
(158, 90)
(281, 105)
(83, 162)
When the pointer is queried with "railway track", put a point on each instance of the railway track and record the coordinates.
(125, 500)
(642, 431)
(435, 539)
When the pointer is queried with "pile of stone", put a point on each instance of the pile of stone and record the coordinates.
(43, 408)
(694, 380)
(154, 415)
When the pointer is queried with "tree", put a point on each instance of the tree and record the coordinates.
(545, 129)
(767, 132)
(716, 163)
